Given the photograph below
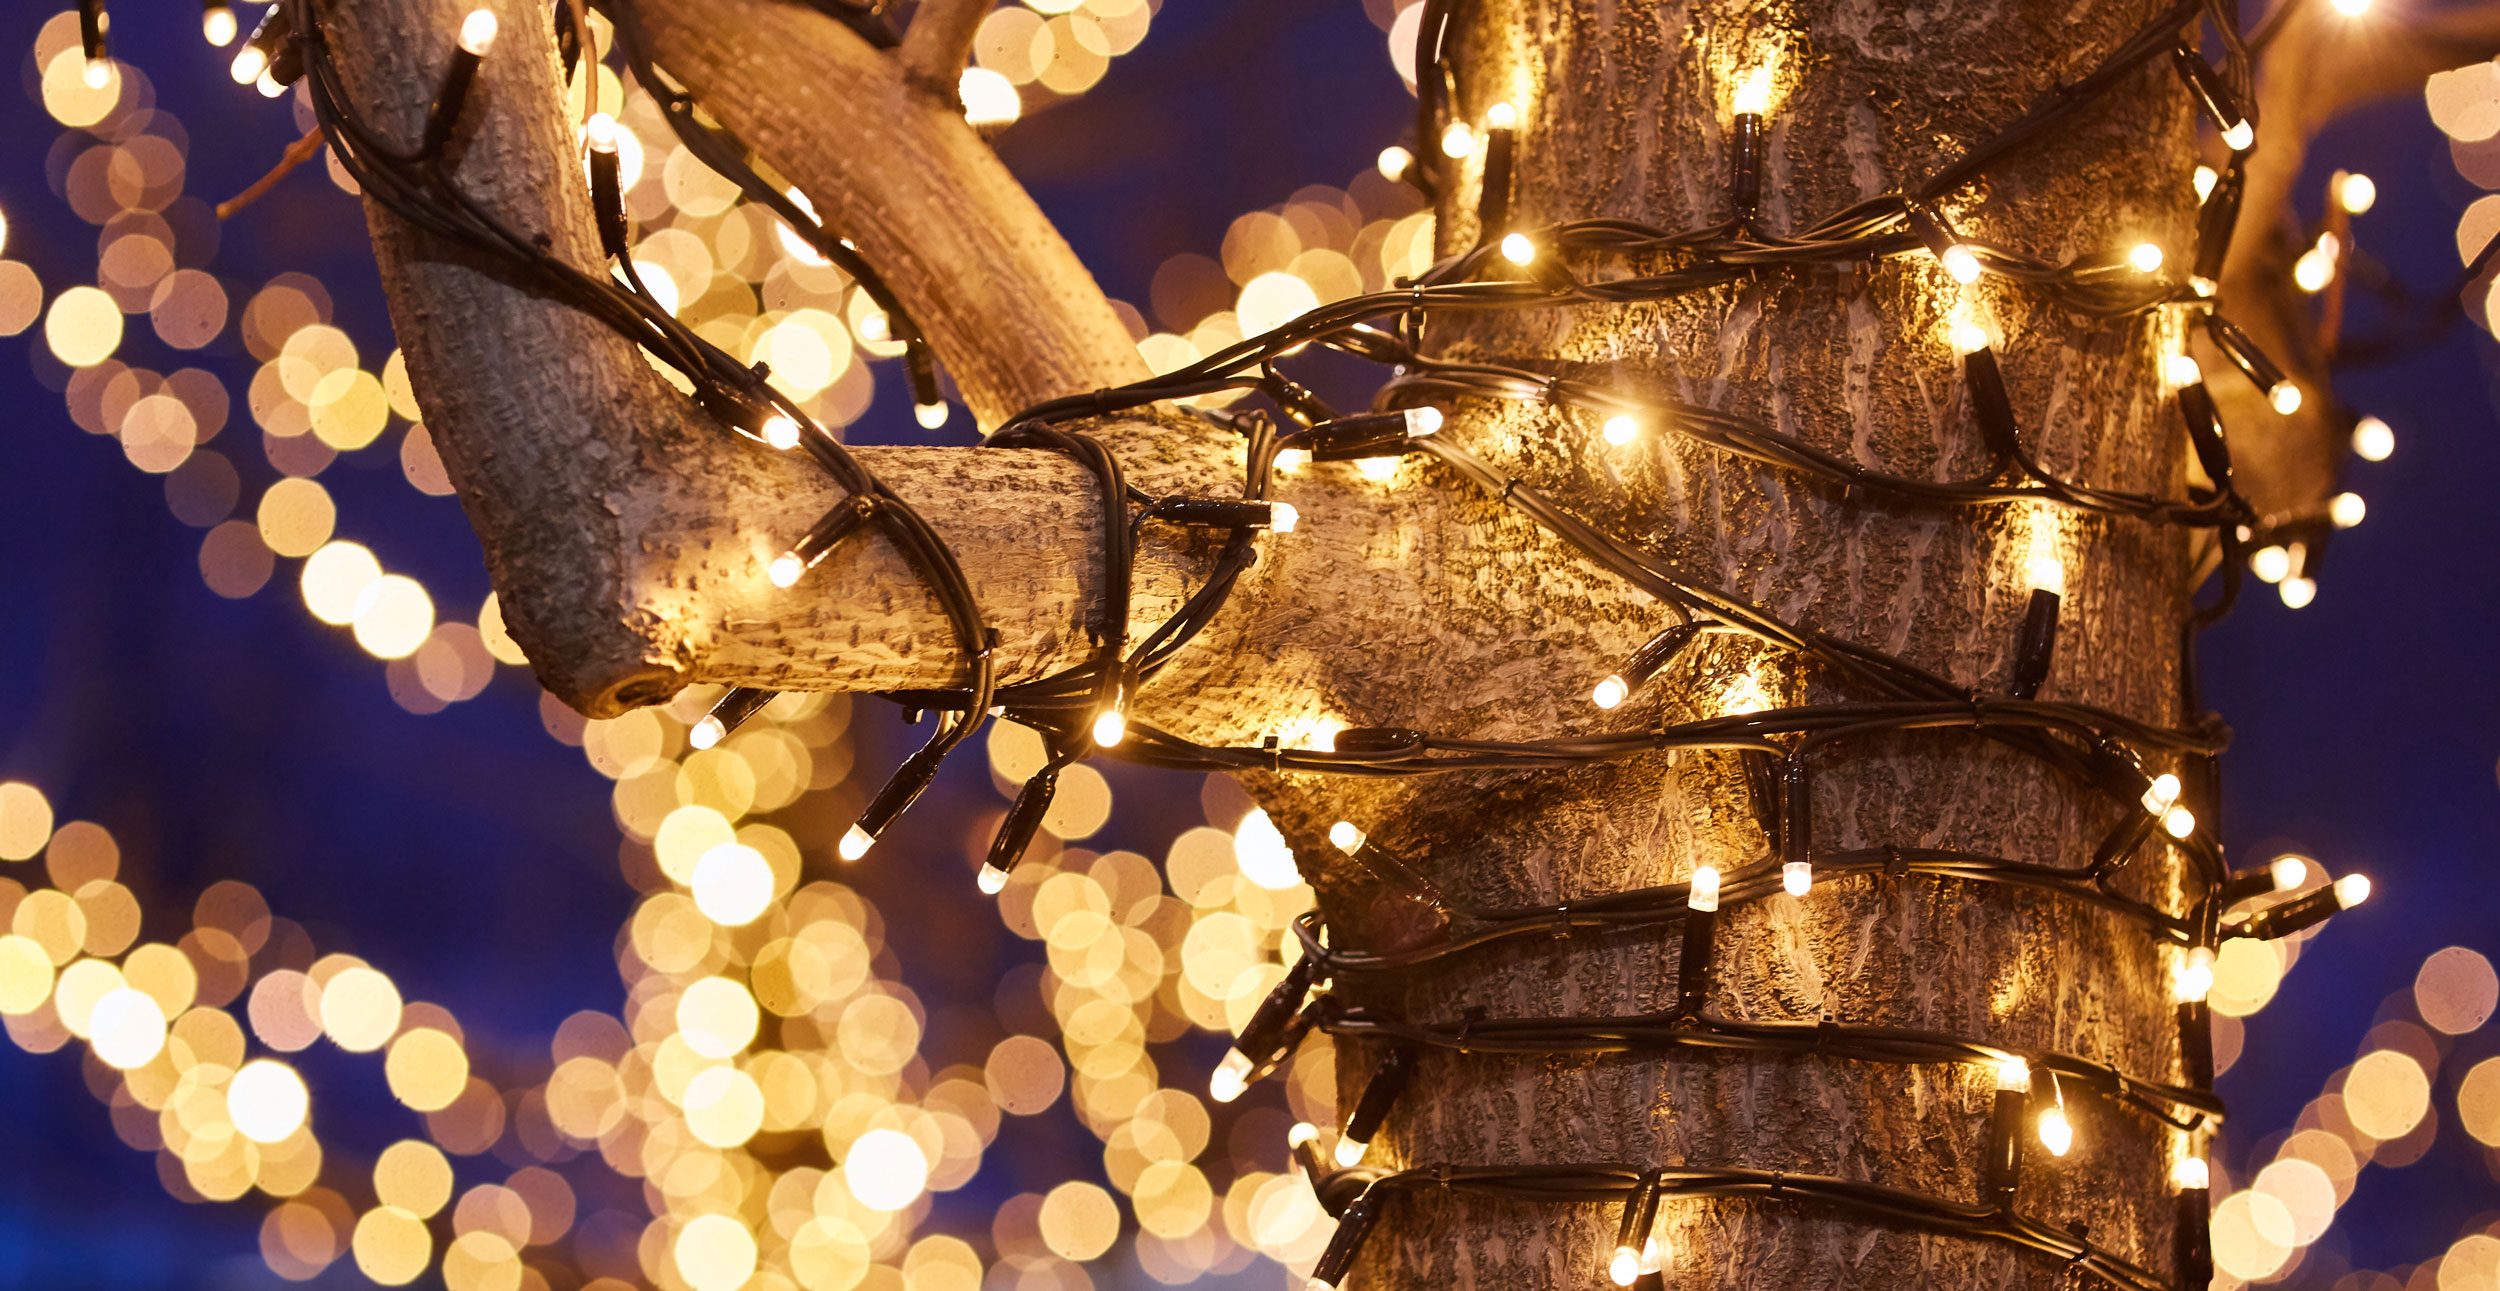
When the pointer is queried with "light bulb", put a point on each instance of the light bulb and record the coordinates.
(1501, 116)
(2352, 8)
(2161, 793)
(1425, 420)
(1346, 836)
(2288, 871)
(1620, 430)
(2195, 978)
(875, 327)
(1625, 1266)
(1962, 263)
(1517, 249)
(706, 733)
(1609, 692)
(2205, 179)
(1301, 1133)
(1350, 1153)
(1753, 93)
(601, 131)
(2055, 1133)
(1969, 338)
(266, 85)
(2189, 1174)
(2202, 285)
(2181, 370)
(1394, 162)
(929, 415)
(99, 73)
(2358, 193)
(2285, 397)
(2373, 439)
(2270, 563)
(2297, 592)
(1457, 140)
(855, 844)
(786, 569)
(2014, 1075)
(477, 31)
(2178, 822)
(1705, 891)
(2146, 257)
(2351, 890)
(2239, 137)
(782, 433)
(2346, 510)
(1282, 517)
(2312, 271)
(1797, 877)
(217, 23)
(2047, 574)
(1110, 728)
(1231, 1078)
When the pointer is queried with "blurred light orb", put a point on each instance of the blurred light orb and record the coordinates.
(885, 1170)
(733, 885)
(267, 1101)
(1264, 857)
(127, 1028)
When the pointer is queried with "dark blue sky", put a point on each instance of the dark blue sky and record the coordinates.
(466, 851)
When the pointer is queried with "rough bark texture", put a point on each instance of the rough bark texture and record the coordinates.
(1622, 107)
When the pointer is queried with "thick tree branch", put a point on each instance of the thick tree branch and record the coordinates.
(939, 43)
(2317, 65)
(1009, 308)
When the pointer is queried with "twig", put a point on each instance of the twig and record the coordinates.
(939, 43)
(297, 153)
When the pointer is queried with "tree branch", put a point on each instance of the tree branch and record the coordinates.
(939, 43)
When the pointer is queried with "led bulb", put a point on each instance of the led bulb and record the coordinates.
(855, 844)
(875, 327)
(1797, 877)
(2195, 979)
(1425, 420)
(1517, 249)
(2047, 574)
(2189, 1174)
(1282, 517)
(2161, 793)
(1350, 1153)
(1302, 1132)
(1969, 338)
(706, 733)
(2205, 179)
(2180, 370)
(2289, 871)
(2346, 510)
(2373, 440)
(1394, 163)
(929, 415)
(2312, 271)
(1620, 430)
(1231, 1078)
(1110, 728)
(1753, 93)
(2351, 890)
(2013, 1075)
(2239, 137)
(2146, 257)
(477, 31)
(217, 23)
(1705, 891)
(2202, 285)
(99, 73)
(1625, 1266)
(1348, 839)
(2270, 563)
(991, 880)
(1501, 116)
(1609, 692)
(1962, 263)
(2358, 193)
(2285, 397)
(2055, 1134)
(1457, 140)
(2178, 822)
(266, 85)
(782, 433)
(2297, 592)
(786, 569)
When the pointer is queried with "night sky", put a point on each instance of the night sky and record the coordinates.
(475, 858)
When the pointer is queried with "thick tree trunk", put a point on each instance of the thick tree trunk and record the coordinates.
(1623, 108)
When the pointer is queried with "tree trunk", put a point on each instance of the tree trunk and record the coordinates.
(1624, 109)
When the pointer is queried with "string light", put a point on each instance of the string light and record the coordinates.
(217, 22)
(2189, 1174)
(782, 433)
(2297, 593)
(2356, 193)
(1457, 140)
(2204, 182)
(2346, 510)
(1797, 877)
(2195, 977)
(2373, 440)
(1619, 430)
(1395, 162)
(1518, 249)
(477, 32)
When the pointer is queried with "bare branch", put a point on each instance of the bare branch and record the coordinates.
(939, 43)
(1005, 302)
